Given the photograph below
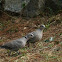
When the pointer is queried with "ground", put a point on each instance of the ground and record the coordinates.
(12, 27)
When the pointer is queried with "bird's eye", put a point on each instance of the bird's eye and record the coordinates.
(25, 37)
(31, 35)
(42, 26)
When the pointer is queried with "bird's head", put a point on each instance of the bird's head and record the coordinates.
(42, 27)
(29, 36)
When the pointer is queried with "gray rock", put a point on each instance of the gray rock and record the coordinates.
(54, 5)
(30, 8)
(33, 8)
(16, 44)
(37, 34)
(58, 2)
(0, 1)
(15, 5)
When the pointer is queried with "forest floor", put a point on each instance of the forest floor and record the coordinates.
(13, 28)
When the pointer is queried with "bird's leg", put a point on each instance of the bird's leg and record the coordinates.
(10, 52)
(28, 44)
(33, 44)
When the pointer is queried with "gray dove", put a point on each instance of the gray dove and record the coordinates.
(38, 33)
(16, 44)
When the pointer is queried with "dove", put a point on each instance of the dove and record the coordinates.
(38, 33)
(15, 45)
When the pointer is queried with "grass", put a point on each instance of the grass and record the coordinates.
(41, 51)
(12, 30)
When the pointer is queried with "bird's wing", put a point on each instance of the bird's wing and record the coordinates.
(37, 36)
(12, 45)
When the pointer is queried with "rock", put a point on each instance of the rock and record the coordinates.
(33, 8)
(0, 4)
(30, 8)
(15, 5)
(36, 7)
(58, 2)
(54, 5)
(0, 1)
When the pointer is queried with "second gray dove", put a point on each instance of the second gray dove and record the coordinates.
(38, 33)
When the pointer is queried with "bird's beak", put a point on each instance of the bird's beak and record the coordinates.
(44, 26)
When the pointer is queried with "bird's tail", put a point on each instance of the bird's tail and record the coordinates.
(4, 47)
(1, 46)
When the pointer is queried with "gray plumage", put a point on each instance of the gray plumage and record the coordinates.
(38, 33)
(16, 44)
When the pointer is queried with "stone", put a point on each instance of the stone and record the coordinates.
(15, 5)
(33, 8)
